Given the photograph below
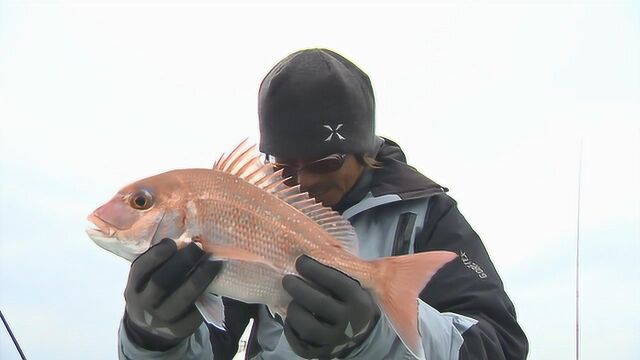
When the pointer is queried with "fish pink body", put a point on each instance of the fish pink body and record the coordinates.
(242, 212)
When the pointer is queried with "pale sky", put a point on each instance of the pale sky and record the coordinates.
(489, 98)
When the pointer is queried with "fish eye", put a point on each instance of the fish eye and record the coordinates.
(141, 200)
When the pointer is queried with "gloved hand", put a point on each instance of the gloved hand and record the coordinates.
(163, 286)
(330, 314)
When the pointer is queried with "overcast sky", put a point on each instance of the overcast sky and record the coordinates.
(489, 98)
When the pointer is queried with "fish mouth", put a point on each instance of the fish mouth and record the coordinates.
(102, 228)
(112, 244)
(103, 235)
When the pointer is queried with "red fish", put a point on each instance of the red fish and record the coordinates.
(242, 212)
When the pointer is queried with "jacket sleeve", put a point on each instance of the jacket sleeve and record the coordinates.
(470, 286)
(441, 337)
(195, 347)
(206, 343)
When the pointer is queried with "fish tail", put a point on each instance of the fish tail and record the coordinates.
(399, 282)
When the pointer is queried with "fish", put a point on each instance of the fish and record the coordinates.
(242, 212)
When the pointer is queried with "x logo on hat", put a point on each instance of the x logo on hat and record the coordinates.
(334, 132)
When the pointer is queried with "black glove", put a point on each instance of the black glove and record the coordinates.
(330, 314)
(163, 286)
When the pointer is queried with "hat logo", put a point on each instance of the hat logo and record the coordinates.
(334, 132)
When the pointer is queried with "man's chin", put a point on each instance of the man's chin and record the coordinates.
(326, 199)
(327, 196)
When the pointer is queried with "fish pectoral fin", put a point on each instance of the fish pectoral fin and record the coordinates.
(279, 310)
(225, 252)
(212, 309)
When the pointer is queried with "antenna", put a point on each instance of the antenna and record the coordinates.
(578, 257)
(15, 342)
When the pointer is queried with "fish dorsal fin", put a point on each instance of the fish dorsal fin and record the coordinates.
(245, 163)
(233, 157)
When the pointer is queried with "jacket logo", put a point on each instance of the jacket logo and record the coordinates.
(334, 132)
(471, 265)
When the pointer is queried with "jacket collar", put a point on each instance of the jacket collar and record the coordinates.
(394, 181)
(397, 177)
(358, 192)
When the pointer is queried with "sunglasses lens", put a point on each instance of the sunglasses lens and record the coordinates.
(329, 164)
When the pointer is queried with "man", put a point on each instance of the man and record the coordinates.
(316, 112)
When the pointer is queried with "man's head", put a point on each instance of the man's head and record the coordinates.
(316, 111)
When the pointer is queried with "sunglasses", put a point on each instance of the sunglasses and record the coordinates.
(325, 165)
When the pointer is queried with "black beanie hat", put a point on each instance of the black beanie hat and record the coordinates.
(313, 103)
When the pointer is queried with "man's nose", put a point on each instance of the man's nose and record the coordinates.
(306, 179)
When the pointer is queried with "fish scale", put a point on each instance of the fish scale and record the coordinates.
(241, 212)
(265, 237)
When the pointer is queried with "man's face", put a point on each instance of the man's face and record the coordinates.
(326, 179)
